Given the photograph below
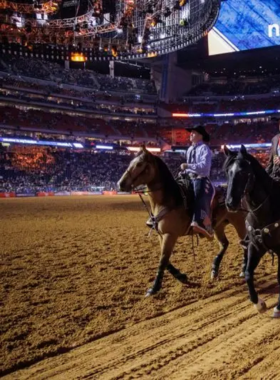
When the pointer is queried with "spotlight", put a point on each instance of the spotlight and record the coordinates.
(114, 51)
(142, 49)
(183, 22)
(155, 21)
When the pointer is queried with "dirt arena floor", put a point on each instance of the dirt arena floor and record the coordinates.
(74, 272)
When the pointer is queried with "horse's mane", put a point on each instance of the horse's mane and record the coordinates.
(259, 170)
(263, 176)
(170, 186)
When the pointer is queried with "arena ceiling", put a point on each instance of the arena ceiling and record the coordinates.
(107, 29)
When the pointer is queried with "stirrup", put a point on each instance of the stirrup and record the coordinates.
(203, 231)
(150, 223)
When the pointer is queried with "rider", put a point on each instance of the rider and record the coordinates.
(273, 168)
(198, 166)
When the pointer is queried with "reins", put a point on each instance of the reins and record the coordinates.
(256, 209)
(145, 204)
(246, 191)
(257, 235)
(143, 191)
(154, 218)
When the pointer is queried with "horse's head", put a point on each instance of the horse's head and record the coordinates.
(240, 177)
(141, 171)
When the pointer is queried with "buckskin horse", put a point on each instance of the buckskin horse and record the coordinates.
(172, 218)
(247, 178)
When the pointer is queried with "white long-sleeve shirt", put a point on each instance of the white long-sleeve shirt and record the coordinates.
(202, 162)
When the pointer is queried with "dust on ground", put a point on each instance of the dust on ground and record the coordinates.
(75, 270)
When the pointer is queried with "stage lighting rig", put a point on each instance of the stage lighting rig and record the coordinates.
(135, 28)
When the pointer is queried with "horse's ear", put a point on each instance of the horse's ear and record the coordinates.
(227, 151)
(243, 150)
(145, 150)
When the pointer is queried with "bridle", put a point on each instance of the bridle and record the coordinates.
(155, 219)
(249, 184)
(141, 191)
(128, 173)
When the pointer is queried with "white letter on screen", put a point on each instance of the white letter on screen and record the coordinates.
(273, 27)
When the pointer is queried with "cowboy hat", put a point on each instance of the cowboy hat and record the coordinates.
(201, 130)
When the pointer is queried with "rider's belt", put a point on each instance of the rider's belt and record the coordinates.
(195, 176)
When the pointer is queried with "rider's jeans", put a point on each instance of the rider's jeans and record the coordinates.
(204, 192)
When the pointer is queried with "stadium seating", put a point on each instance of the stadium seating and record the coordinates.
(27, 169)
(49, 71)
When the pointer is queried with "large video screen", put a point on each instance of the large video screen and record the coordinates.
(245, 24)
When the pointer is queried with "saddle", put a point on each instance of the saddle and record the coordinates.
(187, 191)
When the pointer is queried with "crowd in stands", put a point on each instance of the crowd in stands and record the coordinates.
(36, 120)
(121, 129)
(13, 82)
(81, 104)
(26, 169)
(49, 71)
(105, 102)
(226, 133)
(237, 86)
(99, 99)
(33, 169)
(89, 87)
(219, 106)
(102, 103)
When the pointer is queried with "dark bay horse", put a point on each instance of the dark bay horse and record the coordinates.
(173, 218)
(247, 178)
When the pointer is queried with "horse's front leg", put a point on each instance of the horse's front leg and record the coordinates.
(254, 256)
(276, 311)
(176, 273)
(167, 244)
(217, 260)
(223, 242)
(245, 259)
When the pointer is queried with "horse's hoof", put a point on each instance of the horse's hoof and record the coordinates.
(214, 275)
(276, 313)
(183, 278)
(260, 306)
(242, 274)
(151, 292)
